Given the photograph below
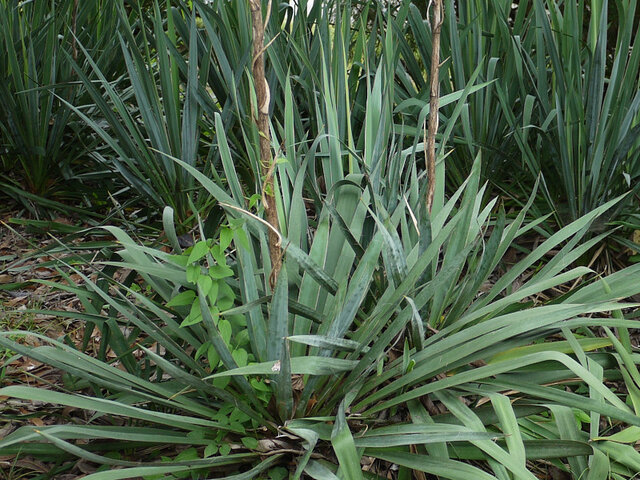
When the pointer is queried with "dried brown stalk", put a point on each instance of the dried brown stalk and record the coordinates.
(266, 158)
(437, 18)
(74, 19)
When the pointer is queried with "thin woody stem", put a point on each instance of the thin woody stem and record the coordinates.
(437, 19)
(74, 20)
(262, 122)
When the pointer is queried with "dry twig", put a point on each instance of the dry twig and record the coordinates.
(437, 18)
(262, 122)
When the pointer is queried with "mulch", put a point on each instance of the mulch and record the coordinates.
(24, 267)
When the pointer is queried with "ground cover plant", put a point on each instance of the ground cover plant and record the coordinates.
(469, 339)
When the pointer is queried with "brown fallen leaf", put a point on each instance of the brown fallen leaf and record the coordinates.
(32, 464)
(37, 421)
(16, 301)
(44, 272)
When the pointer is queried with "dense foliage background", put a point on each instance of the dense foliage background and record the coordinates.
(491, 337)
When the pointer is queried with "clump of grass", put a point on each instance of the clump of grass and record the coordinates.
(20, 319)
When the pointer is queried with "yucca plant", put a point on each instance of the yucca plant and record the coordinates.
(157, 115)
(584, 101)
(41, 141)
(390, 339)
(185, 63)
(480, 41)
(328, 101)
(393, 338)
(561, 100)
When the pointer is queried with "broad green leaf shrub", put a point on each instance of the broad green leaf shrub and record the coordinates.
(206, 272)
